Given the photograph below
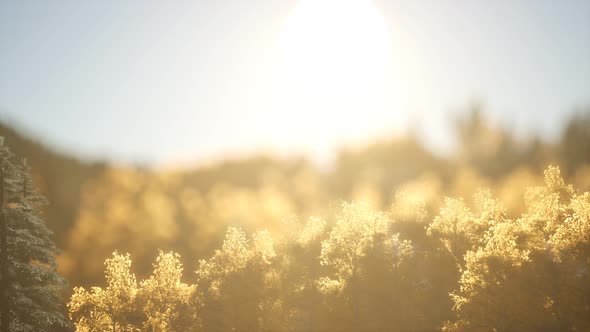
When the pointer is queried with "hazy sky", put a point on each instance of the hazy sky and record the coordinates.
(167, 81)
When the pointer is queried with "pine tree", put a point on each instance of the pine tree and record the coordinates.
(30, 285)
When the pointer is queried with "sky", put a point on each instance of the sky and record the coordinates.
(161, 82)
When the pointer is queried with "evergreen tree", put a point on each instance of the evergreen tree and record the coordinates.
(30, 285)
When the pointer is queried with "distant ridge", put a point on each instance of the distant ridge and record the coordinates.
(60, 177)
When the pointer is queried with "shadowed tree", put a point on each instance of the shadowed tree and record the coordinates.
(300, 269)
(238, 282)
(30, 285)
(368, 288)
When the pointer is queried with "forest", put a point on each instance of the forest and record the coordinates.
(493, 237)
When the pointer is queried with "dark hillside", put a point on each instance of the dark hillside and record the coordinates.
(60, 177)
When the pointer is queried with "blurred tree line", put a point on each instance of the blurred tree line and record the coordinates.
(97, 208)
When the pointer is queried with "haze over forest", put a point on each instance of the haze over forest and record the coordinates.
(309, 165)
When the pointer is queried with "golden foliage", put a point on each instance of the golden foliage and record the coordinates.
(359, 268)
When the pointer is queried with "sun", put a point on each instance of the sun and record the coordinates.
(335, 47)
